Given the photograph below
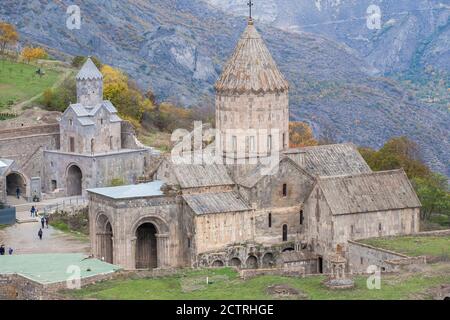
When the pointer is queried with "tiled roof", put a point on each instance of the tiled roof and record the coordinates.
(378, 191)
(251, 68)
(89, 71)
(332, 160)
(216, 202)
(194, 176)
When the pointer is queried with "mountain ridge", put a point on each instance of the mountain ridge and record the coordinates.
(178, 47)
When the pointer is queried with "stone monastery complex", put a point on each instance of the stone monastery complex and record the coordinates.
(304, 212)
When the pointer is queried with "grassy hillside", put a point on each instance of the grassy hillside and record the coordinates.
(414, 246)
(226, 284)
(19, 83)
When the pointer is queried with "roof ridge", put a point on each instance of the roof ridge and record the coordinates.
(356, 175)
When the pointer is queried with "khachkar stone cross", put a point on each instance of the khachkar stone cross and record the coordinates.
(250, 5)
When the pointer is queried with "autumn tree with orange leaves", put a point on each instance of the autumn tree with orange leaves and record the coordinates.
(301, 135)
(8, 36)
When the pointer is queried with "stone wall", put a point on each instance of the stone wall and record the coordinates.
(360, 256)
(102, 136)
(25, 146)
(252, 111)
(97, 170)
(126, 216)
(218, 230)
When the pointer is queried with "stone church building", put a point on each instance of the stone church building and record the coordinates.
(231, 213)
(88, 148)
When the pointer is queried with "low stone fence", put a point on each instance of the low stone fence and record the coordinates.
(397, 264)
(361, 256)
(434, 233)
(18, 287)
(251, 273)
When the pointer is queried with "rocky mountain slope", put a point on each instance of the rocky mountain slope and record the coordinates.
(410, 34)
(178, 47)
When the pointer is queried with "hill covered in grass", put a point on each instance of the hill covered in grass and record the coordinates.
(19, 83)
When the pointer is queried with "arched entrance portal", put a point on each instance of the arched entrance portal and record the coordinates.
(146, 250)
(74, 181)
(252, 262)
(235, 262)
(13, 181)
(104, 239)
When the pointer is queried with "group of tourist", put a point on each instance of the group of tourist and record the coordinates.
(44, 221)
(3, 250)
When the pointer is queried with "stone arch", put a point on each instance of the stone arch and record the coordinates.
(268, 260)
(74, 180)
(150, 242)
(252, 262)
(235, 262)
(14, 180)
(104, 238)
(217, 264)
(288, 249)
(146, 246)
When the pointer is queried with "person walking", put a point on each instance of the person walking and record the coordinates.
(42, 222)
(32, 211)
(18, 192)
(46, 221)
(10, 251)
(40, 234)
(2, 250)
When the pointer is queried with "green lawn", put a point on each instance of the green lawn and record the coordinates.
(19, 83)
(191, 285)
(414, 246)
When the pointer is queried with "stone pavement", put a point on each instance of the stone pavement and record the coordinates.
(23, 238)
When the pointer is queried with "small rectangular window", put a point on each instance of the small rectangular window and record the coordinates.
(72, 144)
(270, 220)
(301, 217)
(380, 227)
(285, 190)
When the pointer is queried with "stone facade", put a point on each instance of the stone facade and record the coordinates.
(297, 215)
(89, 148)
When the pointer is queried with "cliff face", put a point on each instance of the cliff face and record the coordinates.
(178, 48)
(411, 33)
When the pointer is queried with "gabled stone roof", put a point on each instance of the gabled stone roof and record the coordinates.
(254, 176)
(332, 160)
(207, 203)
(89, 71)
(85, 114)
(195, 176)
(251, 68)
(377, 191)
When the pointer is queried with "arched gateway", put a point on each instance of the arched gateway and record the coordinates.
(146, 247)
(74, 181)
(104, 236)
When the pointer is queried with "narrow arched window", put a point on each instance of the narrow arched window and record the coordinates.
(270, 220)
(301, 217)
(284, 190)
(285, 232)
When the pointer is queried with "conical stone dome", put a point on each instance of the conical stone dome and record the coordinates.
(251, 68)
(89, 71)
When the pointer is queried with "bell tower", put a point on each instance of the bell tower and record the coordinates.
(252, 101)
(89, 85)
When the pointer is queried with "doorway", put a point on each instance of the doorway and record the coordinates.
(74, 181)
(146, 250)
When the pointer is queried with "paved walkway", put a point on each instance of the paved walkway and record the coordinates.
(23, 238)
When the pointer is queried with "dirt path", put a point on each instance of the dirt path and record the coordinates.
(18, 108)
(23, 238)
